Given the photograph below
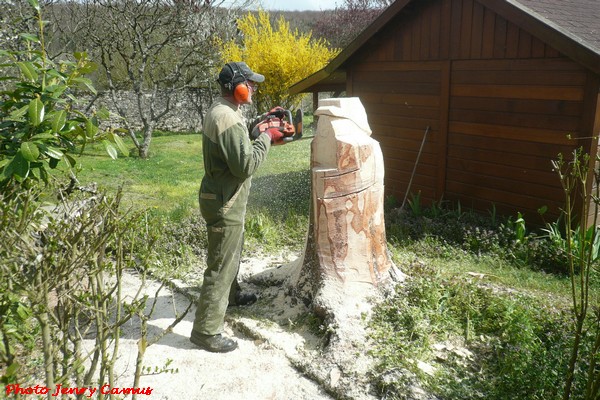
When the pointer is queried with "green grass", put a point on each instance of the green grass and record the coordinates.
(168, 181)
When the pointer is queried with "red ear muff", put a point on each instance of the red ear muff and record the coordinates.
(241, 92)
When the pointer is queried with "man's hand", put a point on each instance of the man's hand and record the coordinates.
(276, 136)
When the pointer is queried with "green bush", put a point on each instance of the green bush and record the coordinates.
(40, 123)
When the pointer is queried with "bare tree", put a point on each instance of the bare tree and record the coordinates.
(154, 48)
(15, 18)
(342, 25)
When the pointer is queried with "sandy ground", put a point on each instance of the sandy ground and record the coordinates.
(277, 358)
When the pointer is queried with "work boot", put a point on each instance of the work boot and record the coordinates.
(243, 299)
(213, 343)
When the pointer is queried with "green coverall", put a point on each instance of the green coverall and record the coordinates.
(230, 159)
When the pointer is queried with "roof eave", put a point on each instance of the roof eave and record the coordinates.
(379, 23)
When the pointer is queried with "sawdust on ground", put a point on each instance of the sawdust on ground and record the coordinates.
(281, 353)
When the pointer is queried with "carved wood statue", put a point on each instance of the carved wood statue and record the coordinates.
(346, 254)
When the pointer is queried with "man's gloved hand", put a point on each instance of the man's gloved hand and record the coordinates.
(276, 136)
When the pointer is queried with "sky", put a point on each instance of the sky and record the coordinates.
(300, 5)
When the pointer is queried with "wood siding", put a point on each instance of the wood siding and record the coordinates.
(500, 106)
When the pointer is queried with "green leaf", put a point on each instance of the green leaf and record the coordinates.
(30, 151)
(121, 145)
(44, 175)
(53, 163)
(110, 149)
(42, 136)
(34, 4)
(30, 37)
(28, 70)
(55, 74)
(58, 122)
(18, 167)
(36, 111)
(88, 67)
(12, 369)
(70, 160)
(79, 55)
(18, 113)
(91, 127)
(87, 83)
(54, 152)
(103, 113)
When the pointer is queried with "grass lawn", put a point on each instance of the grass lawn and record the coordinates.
(169, 179)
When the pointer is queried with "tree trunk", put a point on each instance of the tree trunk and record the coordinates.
(346, 257)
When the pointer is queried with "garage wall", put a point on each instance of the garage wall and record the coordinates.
(500, 105)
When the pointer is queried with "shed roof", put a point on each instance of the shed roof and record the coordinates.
(570, 26)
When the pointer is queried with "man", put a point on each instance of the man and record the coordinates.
(230, 159)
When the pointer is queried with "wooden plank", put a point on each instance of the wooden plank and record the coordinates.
(425, 24)
(500, 28)
(525, 40)
(401, 98)
(407, 87)
(397, 137)
(425, 168)
(560, 64)
(511, 132)
(538, 48)
(521, 197)
(519, 92)
(514, 155)
(521, 77)
(415, 28)
(404, 122)
(399, 76)
(512, 41)
(397, 188)
(436, 30)
(519, 174)
(445, 28)
(466, 29)
(531, 106)
(514, 149)
(401, 110)
(483, 198)
(552, 122)
(379, 67)
(455, 27)
(508, 185)
(477, 30)
(487, 47)
(442, 150)
(407, 42)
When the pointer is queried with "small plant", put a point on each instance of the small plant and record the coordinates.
(581, 238)
(40, 124)
(415, 204)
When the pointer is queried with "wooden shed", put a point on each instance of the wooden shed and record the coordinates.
(503, 85)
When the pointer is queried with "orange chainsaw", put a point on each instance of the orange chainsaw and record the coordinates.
(282, 120)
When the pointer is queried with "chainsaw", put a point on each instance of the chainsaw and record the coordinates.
(282, 120)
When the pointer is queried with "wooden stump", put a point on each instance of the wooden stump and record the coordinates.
(346, 254)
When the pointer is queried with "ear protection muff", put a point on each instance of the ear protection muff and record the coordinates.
(240, 89)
